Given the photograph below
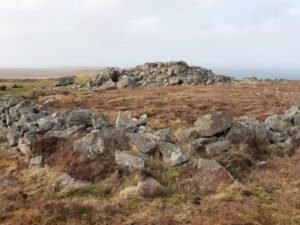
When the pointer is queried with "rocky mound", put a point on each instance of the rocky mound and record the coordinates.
(155, 75)
(217, 147)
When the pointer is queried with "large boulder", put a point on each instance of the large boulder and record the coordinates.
(128, 160)
(212, 124)
(211, 172)
(79, 117)
(64, 81)
(90, 145)
(172, 154)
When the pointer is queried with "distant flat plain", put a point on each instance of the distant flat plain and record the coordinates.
(19, 73)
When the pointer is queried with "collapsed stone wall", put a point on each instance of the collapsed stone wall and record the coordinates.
(155, 75)
(217, 139)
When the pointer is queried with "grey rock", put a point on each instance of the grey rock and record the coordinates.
(238, 133)
(132, 127)
(109, 85)
(24, 148)
(212, 124)
(209, 171)
(258, 131)
(124, 118)
(191, 133)
(90, 145)
(217, 148)
(166, 135)
(65, 133)
(142, 120)
(172, 154)
(13, 135)
(114, 138)
(143, 129)
(31, 137)
(200, 143)
(143, 142)
(64, 81)
(278, 123)
(79, 117)
(149, 187)
(128, 160)
(46, 123)
(100, 120)
(278, 136)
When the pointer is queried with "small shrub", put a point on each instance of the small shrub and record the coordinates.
(2, 87)
(16, 86)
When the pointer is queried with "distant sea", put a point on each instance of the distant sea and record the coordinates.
(289, 74)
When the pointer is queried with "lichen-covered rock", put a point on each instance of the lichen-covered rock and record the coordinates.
(172, 154)
(238, 133)
(212, 124)
(124, 118)
(90, 145)
(217, 148)
(166, 135)
(143, 142)
(64, 81)
(79, 117)
(128, 160)
(278, 123)
(100, 120)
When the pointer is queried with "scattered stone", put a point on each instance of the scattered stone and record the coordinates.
(130, 161)
(212, 124)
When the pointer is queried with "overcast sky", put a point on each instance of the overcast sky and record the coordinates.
(211, 33)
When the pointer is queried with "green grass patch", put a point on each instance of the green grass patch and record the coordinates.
(95, 190)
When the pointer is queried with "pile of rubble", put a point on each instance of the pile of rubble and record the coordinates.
(133, 143)
(156, 75)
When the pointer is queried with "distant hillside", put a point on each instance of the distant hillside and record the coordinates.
(19, 73)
